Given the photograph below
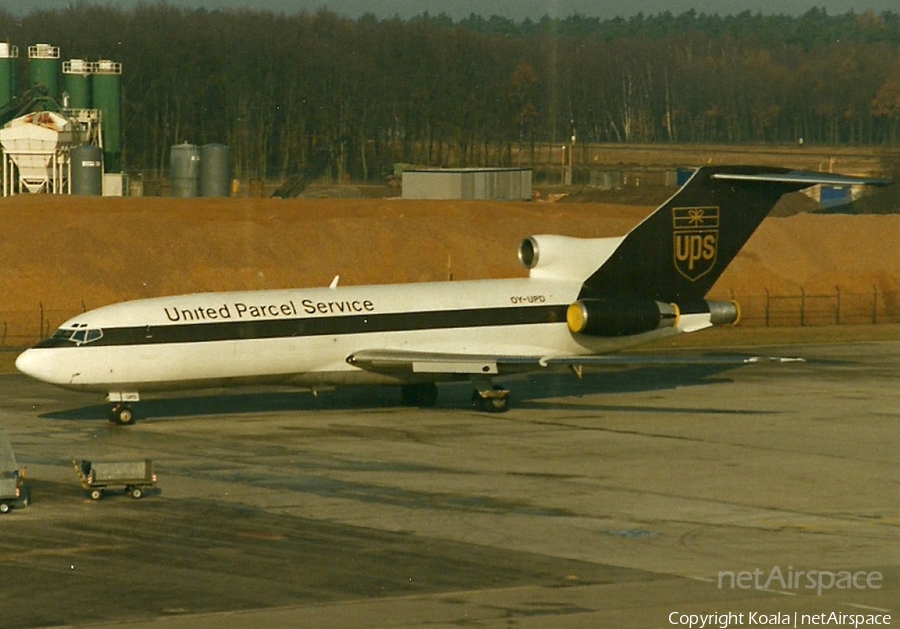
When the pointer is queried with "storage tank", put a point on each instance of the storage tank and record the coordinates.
(77, 83)
(43, 67)
(87, 170)
(185, 170)
(8, 56)
(106, 92)
(215, 170)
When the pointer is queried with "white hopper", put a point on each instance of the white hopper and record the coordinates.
(37, 143)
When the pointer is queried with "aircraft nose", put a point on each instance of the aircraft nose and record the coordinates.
(32, 363)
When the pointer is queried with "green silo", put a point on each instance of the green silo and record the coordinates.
(8, 56)
(77, 83)
(106, 89)
(43, 66)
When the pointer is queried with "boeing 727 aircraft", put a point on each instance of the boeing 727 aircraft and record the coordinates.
(584, 300)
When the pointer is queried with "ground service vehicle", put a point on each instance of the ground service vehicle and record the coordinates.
(14, 492)
(135, 476)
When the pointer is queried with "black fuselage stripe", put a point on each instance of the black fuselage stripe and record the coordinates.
(201, 332)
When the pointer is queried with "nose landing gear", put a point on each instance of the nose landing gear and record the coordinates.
(120, 412)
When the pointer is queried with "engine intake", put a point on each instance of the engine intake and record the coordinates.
(564, 257)
(620, 317)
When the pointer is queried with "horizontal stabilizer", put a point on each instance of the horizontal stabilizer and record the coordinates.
(803, 178)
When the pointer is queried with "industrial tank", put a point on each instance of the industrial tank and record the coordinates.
(8, 56)
(106, 91)
(43, 67)
(215, 171)
(87, 170)
(77, 83)
(185, 170)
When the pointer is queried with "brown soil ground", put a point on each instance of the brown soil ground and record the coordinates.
(69, 253)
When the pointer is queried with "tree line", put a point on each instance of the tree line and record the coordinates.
(313, 92)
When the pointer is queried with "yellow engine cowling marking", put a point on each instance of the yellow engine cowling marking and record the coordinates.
(576, 317)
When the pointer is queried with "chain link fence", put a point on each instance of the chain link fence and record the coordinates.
(839, 307)
(23, 328)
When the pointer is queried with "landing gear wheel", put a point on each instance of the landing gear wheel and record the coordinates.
(494, 400)
(422, 394)
(121, 414)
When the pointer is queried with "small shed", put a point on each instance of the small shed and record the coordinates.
(490, 184)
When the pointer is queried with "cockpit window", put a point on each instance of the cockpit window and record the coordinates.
(79, 334)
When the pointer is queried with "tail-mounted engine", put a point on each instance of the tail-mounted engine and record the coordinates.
(620, 317)
(626, 316)
(564, 257)
(724, 312)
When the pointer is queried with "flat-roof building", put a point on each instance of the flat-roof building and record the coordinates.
(492, 184)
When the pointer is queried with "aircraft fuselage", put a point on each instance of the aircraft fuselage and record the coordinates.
(304, 337)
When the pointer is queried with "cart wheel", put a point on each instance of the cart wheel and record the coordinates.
(4, 508)
(96, 494)
(136, 492)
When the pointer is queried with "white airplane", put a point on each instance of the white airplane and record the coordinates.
(584, 299)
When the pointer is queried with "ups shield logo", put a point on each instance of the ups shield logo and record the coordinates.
(695, 232)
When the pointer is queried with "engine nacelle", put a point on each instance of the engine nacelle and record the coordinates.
(564, 257)
(620, 317)
(724, 312)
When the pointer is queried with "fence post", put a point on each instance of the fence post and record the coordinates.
(874, 304)
(837, 309)
(41, 329)
(767, 307)
(802, 307)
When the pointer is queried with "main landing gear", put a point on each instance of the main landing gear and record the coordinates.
(493, 400)
(485, 397)
(488, 397)
(421, 394)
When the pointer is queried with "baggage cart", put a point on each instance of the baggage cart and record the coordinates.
(96, 478)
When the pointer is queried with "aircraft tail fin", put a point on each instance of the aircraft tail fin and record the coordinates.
(677, 253)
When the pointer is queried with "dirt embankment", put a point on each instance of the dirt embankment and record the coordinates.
(63, 252)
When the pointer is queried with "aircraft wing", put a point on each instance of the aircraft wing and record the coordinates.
(429, 362)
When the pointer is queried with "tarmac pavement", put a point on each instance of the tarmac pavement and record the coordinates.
(646, 497)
